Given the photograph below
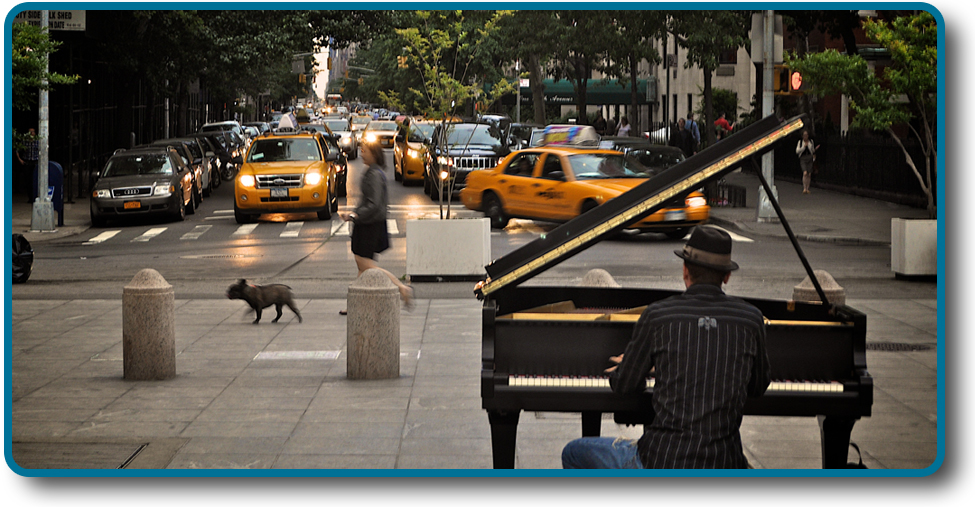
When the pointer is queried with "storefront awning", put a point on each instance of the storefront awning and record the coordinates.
(598, 92)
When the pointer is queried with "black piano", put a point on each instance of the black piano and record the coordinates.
(545, 349)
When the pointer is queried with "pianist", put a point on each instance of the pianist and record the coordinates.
(706, 351)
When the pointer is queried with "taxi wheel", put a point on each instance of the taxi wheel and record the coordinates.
(397, 174)
(494, 211)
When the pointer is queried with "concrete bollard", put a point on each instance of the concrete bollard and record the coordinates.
(598, 278)
(805, 291)
(148, 328)
(373, 327)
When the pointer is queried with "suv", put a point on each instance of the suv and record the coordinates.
(143, 181)
(287, 172)
(459, 148)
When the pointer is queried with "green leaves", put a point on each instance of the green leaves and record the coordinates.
(30, 50)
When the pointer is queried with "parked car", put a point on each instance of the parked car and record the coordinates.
(559, 183)
(380, 131)
(142, 181)
(287, 172)
(459, 149)
(654, 156)
(228, 153)
(411, 152)
(342, 127)
(261, 126)
(200, 162)
(220, 126)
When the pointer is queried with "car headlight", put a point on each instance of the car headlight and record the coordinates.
(163, 189)
(444, 175)
(346, 140)
(313, 178)
(246, 180)
(445, 160)
(370, 138)
(103, 194)
(694, 202)
(413, 153)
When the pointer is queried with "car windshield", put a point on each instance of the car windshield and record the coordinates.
(361, 120)
(133, 165)
(284, 150)
(656, 159)
(337, 125)
(382, 125)
(426, 129)
(595, 166)
(470, 135)
(217, 127)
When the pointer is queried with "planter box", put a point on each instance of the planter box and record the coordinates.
(447, 250)
(914, 246)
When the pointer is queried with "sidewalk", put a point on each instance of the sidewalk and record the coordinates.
(276, 396)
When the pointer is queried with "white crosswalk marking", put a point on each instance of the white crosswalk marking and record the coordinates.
(341, 228)
(101, 238)
(245, 229)
(196, 232)
(391, 226)
(736, 237)
(292, 229)
(148, 235)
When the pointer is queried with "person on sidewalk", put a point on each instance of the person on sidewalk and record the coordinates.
(694, 130)
(624, 130)
(706, 351)
(806, 151)
(369, 233)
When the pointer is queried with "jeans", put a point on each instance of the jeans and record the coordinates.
(601, 452)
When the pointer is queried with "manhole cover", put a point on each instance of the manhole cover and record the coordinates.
(897, 347)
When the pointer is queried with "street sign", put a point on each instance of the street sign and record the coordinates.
(72, 21)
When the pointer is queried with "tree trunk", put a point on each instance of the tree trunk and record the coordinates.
(537, 84)
(634, 98)
(708, 106)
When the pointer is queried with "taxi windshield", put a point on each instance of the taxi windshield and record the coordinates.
(596, 166)
(284, 150)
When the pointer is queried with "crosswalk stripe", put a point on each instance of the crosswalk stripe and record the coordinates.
(101, 237)
(736, 237)
(151, 233)
(196, 232)
(245, 229)
(391, 226)
(340, 228)
(292, 229)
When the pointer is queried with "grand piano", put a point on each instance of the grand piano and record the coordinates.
(545, 349)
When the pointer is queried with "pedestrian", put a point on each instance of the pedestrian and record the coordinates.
(685, 141)
(807, 155)
(369, 233)
(624, 130)
(29, 159)
(612, 125)
(722, 127)
(706, 353)
(600, 125)
(694, 130)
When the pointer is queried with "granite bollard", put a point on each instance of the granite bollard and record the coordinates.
(148, 328)
(372, 327)
(598, 278)
(806, 291)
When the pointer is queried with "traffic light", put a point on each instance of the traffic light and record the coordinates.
(785, 81)
(329, 63)
(796, 82)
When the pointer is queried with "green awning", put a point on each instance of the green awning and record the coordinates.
(598, 92)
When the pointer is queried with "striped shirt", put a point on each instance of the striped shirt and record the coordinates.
(709, 353)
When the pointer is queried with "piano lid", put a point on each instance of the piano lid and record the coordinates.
(583, 231)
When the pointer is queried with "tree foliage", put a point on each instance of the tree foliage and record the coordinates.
(31, 48)
(904, 94)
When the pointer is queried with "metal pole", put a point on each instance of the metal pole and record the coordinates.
(42, 214)
(518, 103)
(765, 210)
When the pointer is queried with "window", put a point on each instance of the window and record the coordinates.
(522, 165)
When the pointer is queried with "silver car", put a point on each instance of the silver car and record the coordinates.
(348, 142)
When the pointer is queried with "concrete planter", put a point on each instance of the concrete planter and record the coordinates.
(914, 246)
(447, 250)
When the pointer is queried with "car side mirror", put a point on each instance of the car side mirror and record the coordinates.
(332, 156)
(400, 137)
(239, 159)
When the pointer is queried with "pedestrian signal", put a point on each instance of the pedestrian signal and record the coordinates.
(787, 82)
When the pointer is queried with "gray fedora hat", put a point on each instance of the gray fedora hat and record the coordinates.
(710, 247)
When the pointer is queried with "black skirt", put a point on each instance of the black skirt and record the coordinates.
(369, 239)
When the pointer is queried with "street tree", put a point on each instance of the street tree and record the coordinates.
(443, 48)
(706, 35)
(904, 95)
(531, 36)
(631, 39)
(582, 48)
(31, 49)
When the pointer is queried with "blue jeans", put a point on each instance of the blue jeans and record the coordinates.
(601, 452)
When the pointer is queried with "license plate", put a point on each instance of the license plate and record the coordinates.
(132, 205)
(279, 192)
(675, 215)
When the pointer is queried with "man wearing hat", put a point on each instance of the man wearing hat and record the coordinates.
(706, 352)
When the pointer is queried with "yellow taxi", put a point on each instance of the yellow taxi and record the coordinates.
(287, 172)
(558, 183)
(410, 152)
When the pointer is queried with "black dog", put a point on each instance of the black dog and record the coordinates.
(263, 296)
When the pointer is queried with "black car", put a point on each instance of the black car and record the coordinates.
(231, 155)
(652, 156)
(194, 157)
(461, 147)
(143, 181)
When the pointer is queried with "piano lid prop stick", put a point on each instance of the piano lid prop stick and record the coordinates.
(792, 237)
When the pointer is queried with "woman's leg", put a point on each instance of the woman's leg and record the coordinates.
(600, 452)
(806, 180)
(405, 291)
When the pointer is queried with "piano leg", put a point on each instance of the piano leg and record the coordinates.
(504, 431)
(592, 424)
(835, 434)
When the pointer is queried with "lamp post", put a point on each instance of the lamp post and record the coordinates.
(42, 214)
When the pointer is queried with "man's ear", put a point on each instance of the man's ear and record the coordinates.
(727, 276)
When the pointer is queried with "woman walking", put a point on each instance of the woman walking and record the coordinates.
(807, 155)
(369, 233)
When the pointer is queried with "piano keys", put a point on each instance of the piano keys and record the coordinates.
(546, 348)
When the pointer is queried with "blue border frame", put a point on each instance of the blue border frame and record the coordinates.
(8, 368)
